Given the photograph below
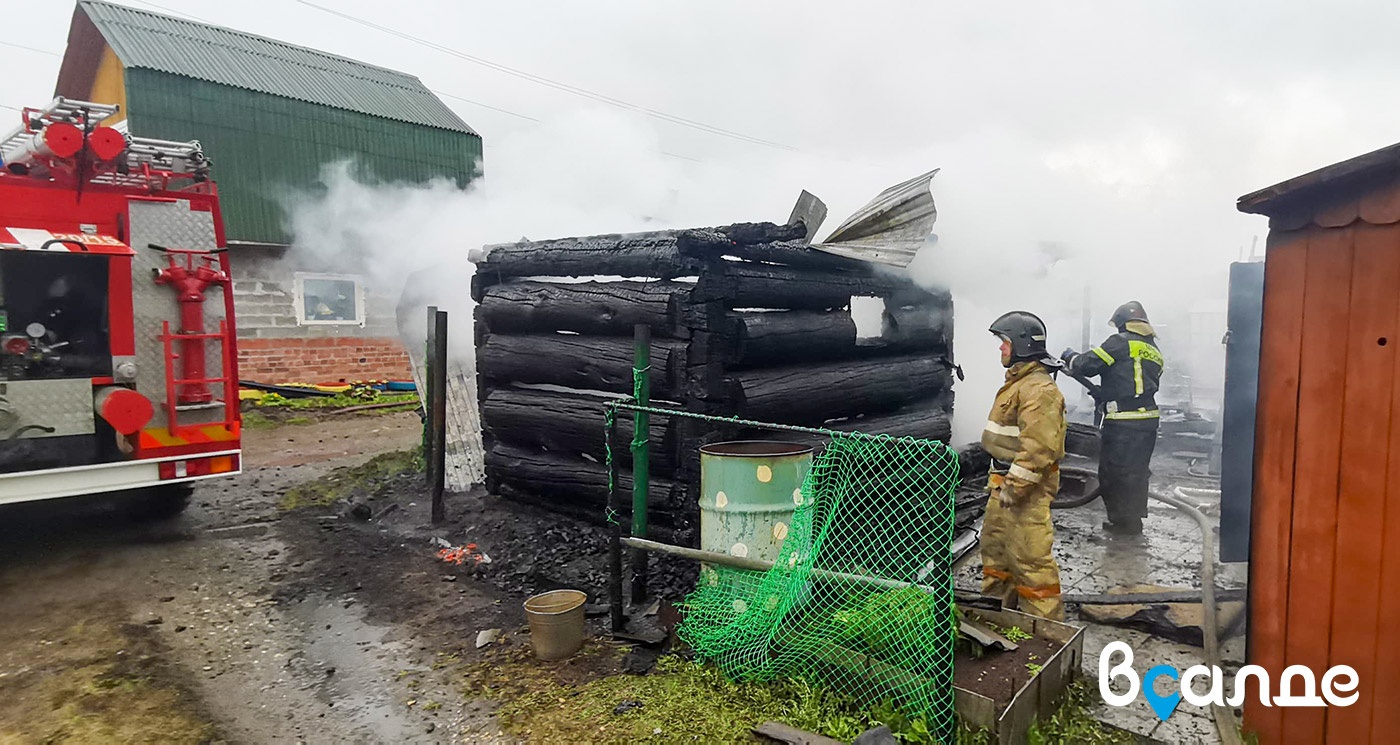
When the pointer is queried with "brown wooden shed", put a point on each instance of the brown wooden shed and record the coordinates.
(1325, 535)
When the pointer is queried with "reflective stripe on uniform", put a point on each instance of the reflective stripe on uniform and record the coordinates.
(1105, 356)
(1141, 414)
(1005, 430)
(995, 573)
(1141, 350)
(1024, 474)
(1038, 593)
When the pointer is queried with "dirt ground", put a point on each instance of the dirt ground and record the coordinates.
(241, 621)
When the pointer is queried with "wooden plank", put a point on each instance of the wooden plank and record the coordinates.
(1381, 206)
(791, 735)
(1366, 417)
(1384, 687)
(597, 308)
(1326, 305)
(1275, 441)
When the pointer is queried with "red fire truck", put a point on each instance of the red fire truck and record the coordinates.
(118, 366)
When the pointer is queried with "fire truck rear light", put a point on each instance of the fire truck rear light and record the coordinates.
(16, 345)
(194, 467)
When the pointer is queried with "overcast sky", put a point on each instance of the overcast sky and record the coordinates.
(1122, 130)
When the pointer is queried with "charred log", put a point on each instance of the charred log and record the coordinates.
(563, 480)
(917, 327)
(652, 255)
(793, 336)
(811, 394)
(594, 363)
(747, 285)
(602, 308)
(924, 421)
(713, 244)
(571, 423)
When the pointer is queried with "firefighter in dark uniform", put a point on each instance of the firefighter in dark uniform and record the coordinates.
(1129, 366)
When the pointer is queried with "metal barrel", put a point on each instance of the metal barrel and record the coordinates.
(748, 491)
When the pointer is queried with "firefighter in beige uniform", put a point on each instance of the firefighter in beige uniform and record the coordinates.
(1025, 436)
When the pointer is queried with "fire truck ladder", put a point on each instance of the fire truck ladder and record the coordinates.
(144, 163)
(227, 398)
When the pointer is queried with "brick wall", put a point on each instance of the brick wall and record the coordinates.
(322, 360)
(273, 347)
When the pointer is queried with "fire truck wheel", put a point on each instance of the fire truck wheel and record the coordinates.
(162, 502)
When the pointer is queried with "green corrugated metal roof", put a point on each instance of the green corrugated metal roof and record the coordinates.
(266, 149)
(214, 54)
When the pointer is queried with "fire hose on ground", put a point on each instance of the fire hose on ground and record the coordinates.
(1225, 721)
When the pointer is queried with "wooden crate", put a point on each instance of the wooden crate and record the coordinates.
(1041, 695)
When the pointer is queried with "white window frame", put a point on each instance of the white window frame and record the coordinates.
(299, 298)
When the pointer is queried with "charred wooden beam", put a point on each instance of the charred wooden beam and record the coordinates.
(652, 255)
(571, 423)
(566, 480)
(713, 244)
(926, 326)
(663, 523)
(926, 421)
(751, 233)
(748, 285)
(807, 394)
(602, 308)
(793, 336)
(596, 363)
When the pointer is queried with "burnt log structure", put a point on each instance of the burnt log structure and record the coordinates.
(746, 320)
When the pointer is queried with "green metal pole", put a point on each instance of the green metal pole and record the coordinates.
(641, 455)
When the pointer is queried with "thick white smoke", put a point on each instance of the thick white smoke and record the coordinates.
(1018, 228)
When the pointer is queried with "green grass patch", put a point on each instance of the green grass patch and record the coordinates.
(679, 701)
(589, 701)
(342, 482)
(1073, 724)
(258, 420)
(339, 401)
(95, 683)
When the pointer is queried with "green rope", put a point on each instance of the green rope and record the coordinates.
(624, 405)
(639, 438)
(609, 426)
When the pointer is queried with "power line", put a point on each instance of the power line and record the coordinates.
(484, 105)
(436, 92)
(550, 83)
(30, 49)
(172, 11)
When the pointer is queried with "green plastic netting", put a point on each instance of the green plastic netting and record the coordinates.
(860, 599)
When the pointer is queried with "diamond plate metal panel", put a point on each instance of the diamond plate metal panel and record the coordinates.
(174, 225)
(65, 405)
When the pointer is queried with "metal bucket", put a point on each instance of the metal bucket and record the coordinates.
(556, 623)
(748, 491)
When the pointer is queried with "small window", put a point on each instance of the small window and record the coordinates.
(329, 299)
